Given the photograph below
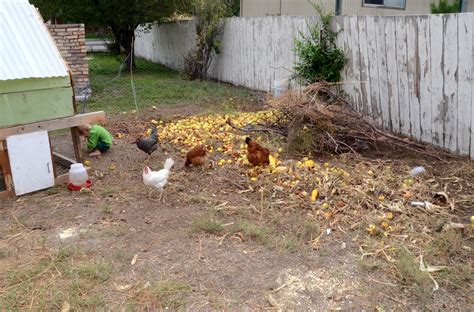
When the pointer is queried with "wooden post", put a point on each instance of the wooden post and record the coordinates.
(76, 141)
(76, 138)
(6, 171)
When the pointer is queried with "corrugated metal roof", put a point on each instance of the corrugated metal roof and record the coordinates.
(26, 48)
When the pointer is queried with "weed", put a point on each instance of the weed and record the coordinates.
(54, 190)
(108, 191)
(288, 243)
(3, 253)
(254, 232)
(309, 231)
(408, 272)
(164, 294)
(122, 255)
(99, 272)
(369, 264)
(446, 244)
(206, 225)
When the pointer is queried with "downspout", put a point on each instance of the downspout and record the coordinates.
(338, 7)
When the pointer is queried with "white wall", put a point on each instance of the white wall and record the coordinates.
(166, 44)
(413, 75)
(349, 7)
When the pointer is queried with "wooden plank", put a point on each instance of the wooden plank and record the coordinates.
(76, 142)
(424, 50)
(366, 107)
(413, 76)
(472, 93)
(347, 73)
(355, 56)
(402, 73)
(382, 71)
(27, 107)
(436, 51)
(450, 99)
(54, 124)
(61, 158)
(5, 166)
(465, 82)
(392, 77)
(6, 194)
(374, 78)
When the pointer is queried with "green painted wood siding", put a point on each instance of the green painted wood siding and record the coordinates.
(31, 106)
(36, 99)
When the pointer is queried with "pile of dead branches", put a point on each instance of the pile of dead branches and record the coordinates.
(321, 119)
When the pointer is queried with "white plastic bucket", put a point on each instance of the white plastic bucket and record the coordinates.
(279, 86)
(78, 175)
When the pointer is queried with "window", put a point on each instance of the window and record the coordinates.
(395, 4)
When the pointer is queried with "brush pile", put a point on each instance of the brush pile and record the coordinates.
(321, 119)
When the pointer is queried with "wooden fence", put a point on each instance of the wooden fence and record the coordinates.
(413, 75)
(416, 75)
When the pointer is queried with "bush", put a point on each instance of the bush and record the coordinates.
(318, 56)
(209, 16)
(444, 7)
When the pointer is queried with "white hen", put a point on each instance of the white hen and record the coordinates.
(157, 179)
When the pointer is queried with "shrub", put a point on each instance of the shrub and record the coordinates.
(444, 7)
(209, 16)
(318, 56)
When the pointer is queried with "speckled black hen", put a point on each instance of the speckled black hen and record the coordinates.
(148, 144)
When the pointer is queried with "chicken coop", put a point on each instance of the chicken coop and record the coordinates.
(36, 97)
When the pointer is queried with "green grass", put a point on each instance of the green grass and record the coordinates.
(154, 85)
(206, 225)
(50, 281)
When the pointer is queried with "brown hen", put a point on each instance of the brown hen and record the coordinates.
(257, 155)
(196, 156)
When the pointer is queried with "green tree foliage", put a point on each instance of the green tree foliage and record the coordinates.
(318, 56)
(444, 7)
(123, 17)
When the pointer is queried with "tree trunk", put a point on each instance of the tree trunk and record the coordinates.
(124, 38)
(127, 37)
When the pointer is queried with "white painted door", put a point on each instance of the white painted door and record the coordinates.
(30, 161)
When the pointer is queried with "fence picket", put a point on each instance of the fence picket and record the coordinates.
(413, 77)
(392, 77)
(424, 44)
(402, 67)
(465, 83)
(437, 42)
(382, 71)
(450, 99)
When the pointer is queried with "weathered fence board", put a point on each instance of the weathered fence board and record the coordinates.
(424, 45)
(413, 71)
(402, 68)
(450, 61)
(392, 76)
(436, 43)
(382, 71)
(413, 75)
(465, 82)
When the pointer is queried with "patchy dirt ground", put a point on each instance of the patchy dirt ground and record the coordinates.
(216, 243)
